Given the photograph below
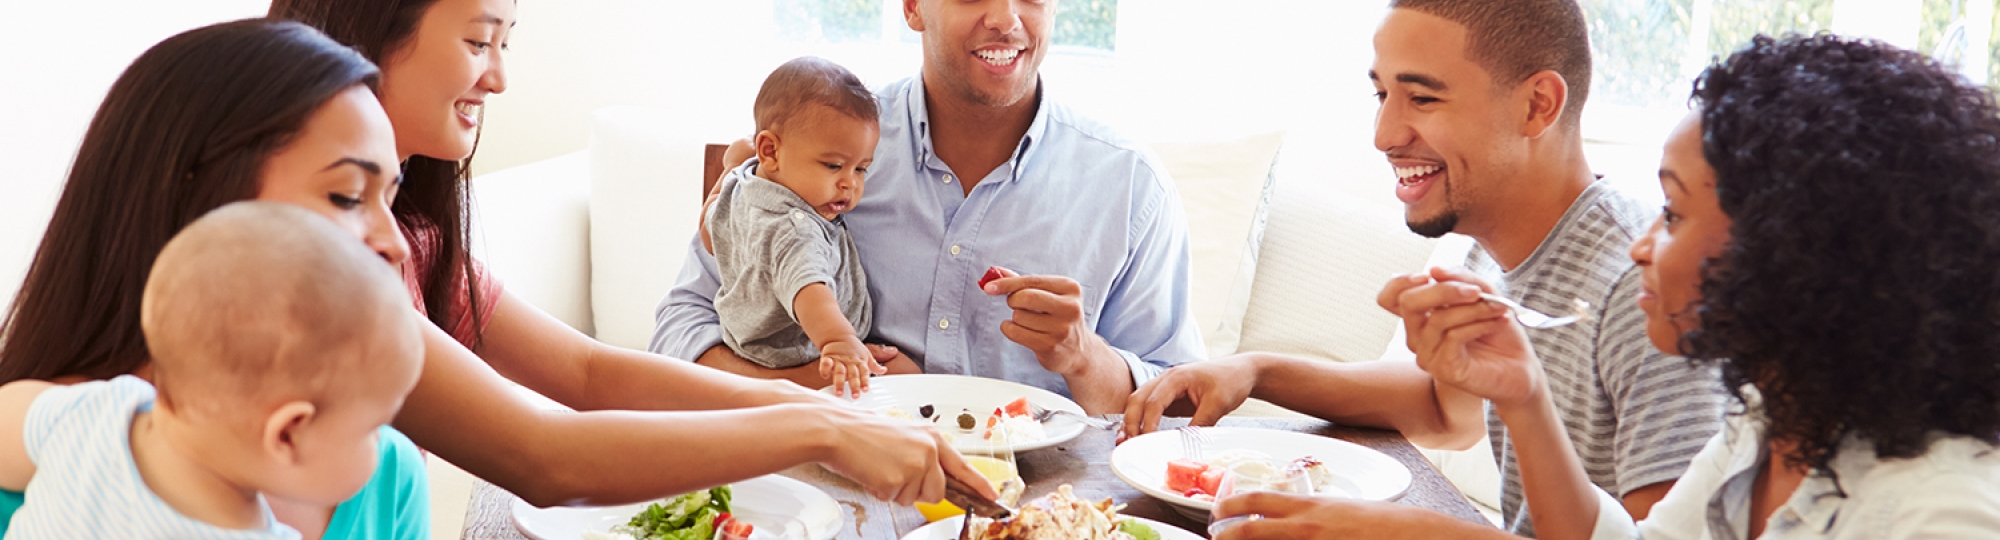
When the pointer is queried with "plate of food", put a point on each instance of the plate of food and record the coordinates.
(976, 414)
(1057, 516)
(1245, 459)
(771, 503)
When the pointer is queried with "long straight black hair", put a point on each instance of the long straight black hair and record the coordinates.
(434, 191)
(184, 130)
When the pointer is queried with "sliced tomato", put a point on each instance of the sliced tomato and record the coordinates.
(737, 529)
(1018, 407)
(1184, 474)
(719, 519)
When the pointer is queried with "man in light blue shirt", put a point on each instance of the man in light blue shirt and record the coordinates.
(1089, 220)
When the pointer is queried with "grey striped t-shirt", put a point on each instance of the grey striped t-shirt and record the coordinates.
(1636, 416)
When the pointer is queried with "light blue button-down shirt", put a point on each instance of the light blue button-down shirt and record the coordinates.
(1076, 200)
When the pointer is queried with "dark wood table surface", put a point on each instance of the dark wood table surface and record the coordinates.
(1083, 463)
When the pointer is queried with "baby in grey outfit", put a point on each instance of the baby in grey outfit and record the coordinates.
(792, 286)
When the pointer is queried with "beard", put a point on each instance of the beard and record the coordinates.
(1436, 226)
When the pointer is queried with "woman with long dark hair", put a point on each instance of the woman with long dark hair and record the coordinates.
(76, 316)
(440, 60)
(240, 110)
(1831, 239)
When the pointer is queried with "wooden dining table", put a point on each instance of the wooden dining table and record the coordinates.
(1083, 463)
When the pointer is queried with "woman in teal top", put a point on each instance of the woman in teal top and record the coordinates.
(184, 130)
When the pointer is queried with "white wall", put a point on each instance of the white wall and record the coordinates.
(56, 61)
(1184, 69)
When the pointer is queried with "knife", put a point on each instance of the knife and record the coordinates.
(956, 492)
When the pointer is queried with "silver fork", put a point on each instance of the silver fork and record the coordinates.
(1579, 311)
(1043, 415)
(1192, 439)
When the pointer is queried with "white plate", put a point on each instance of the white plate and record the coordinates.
(754, 500)
(1362, 473)
(947, 529)
(950, 394)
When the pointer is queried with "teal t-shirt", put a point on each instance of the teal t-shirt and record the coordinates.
(395, 505)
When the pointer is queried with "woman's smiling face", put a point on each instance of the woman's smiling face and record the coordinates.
(435, 83)
(1690, 231)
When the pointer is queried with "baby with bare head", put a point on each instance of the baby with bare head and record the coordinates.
(280, 346)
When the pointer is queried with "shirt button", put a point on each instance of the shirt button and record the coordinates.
(797, 215)
(954, 251)
(944, 324)
(947, 179)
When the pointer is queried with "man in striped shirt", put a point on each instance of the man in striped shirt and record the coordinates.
(1480, 111)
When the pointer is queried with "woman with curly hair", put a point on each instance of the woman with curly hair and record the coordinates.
(1831, 239)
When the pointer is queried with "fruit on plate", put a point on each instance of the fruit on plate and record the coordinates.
(992, 273)
(1199, 481)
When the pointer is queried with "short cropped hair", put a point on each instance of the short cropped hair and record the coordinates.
(264, 299)
(807, 81)
(1515, 39)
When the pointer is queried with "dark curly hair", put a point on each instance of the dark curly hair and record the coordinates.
(1860, 290)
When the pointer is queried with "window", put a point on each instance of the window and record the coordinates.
(1091, 24)
(1647, 52)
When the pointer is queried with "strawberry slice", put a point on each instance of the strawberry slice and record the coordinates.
(992, 273)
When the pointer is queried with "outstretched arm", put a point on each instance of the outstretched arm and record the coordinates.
(462, 411)
(819, 316)
(534, 349)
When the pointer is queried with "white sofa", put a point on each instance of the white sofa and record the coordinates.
(597, 237)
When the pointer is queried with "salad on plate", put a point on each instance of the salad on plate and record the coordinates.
(694, 516)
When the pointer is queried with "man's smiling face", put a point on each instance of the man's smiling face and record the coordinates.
(1442, 123)
(987, 52)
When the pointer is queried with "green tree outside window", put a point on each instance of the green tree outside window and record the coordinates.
(1081, 23)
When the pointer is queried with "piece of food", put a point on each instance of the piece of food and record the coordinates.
(737, 529)
(966, 422)
(927, 411)
(687, 517)
(1244, 470)
(992, 273)
(1184, 474)
(1137, 530)
(1057, 516)
(1018, 407)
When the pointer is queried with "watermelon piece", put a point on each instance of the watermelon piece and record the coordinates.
(1211, 480)
(992, 273)
(1018, 407)
(1184, 474)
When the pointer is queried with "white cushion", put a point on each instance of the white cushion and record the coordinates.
(531, 226)
(1325, 255)
(645, 198)
(1222, 187)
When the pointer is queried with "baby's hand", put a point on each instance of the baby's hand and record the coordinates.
(846, 365)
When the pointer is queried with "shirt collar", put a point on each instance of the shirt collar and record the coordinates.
(764, 194)
(920, 119)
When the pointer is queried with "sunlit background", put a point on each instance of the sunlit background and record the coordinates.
(1162, 69)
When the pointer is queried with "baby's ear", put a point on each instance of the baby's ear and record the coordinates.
(767, 150)
(283, 428)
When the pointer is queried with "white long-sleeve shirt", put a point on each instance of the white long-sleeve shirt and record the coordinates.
(1951, 491)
